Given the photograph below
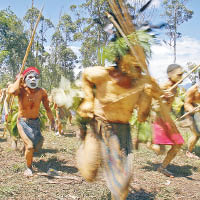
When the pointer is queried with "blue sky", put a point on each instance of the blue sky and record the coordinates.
(52, 9)
(188, 47)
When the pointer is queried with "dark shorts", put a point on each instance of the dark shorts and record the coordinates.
(31, 128)
(105, 130)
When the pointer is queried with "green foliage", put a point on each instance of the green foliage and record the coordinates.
(12, 119)
(13, 42)
(178, 104)
(43, 118)
(119, 47)
(143, 129)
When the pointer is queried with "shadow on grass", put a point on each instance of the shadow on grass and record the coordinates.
(45, 151)
(3, 139)
(178, 171)
(69, 135)
(140, 194)
(56, 164)
(197, 150)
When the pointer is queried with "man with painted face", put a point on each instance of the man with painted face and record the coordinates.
(192, 98)
(29, 97)
(162, 131)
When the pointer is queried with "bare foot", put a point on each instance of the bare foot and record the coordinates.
(28, 172)
(165, 172)
(14, 145)
(192, 155)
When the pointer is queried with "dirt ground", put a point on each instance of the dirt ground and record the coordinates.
(58, 153)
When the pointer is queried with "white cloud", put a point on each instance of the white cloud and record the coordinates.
(188, 50)
(156, 3)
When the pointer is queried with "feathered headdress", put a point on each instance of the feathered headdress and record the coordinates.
(127, 37)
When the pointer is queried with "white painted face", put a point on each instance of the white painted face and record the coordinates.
(32, 80)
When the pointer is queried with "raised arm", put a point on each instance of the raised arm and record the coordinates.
(15, 87)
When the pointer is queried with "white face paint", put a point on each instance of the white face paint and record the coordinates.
(32, 80)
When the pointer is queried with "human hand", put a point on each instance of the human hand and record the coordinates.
(86, 109)
(168, 94)
(152, 91)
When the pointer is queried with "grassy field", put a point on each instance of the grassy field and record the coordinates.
(58, 153)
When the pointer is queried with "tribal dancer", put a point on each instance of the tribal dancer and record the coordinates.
(29, 98)
(192, 98)
(162, 130)
(62, 116)
(111, 117)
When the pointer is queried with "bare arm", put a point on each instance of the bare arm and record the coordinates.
(189, 99)
(6, 102)
(15, 87)
(90, 77)
(45, 102)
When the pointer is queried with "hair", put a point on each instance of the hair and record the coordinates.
(172, 67)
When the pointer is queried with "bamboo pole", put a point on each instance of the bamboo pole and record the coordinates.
(187, 113)
(31, 41)
(133, 52)
(174, 86)
(127, 17)
(118, 15)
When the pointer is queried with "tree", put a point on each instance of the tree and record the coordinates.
(176, 13)
(92, 21)
(13, 43)
(90, 33)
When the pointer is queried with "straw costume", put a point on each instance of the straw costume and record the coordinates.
(29, 98)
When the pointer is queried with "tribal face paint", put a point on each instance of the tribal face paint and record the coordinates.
(32, 80)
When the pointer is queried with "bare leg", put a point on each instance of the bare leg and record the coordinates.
(28, 151)
(191, 144)
(158, 149)
(29, 161)
(169, 157)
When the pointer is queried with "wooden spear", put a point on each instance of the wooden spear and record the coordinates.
(133, 52)
(31, 41)
(174, 86)
(187, 113)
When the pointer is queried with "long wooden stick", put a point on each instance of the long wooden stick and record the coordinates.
(134, 53)
(174, 86)
(187, 113)
(31, 41)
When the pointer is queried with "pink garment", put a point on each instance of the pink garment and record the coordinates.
(162, 134)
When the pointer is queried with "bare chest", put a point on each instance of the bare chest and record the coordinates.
(196, 97)
(30, 100)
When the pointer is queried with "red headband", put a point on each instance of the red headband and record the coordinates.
(30, 69)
